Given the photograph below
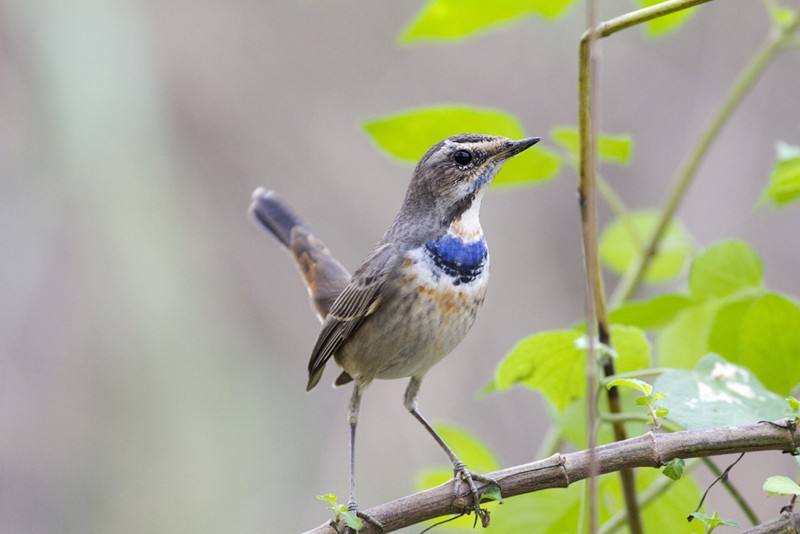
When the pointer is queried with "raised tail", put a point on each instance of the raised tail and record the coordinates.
(325, 277)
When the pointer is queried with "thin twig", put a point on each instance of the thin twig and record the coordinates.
(721, 476)
(733, 491)
(596, 313)
(595, 295)
(775, 42)
(648, 450)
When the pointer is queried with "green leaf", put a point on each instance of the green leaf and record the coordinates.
(552, 362)
(618, 250)
(571, 423)
(667, 24)
(784, 182)
(552, 511)
(780, 15)
(469, 449)
(794, 404)
(724, 336)
(452, 20)
(717, 393)
(770, 342)
(409, 134)
(668, 509)
(352, 520)
(492, 494)
(781, 485)
(712, 521)
(330, 498)
(725, 268)
(474, 453)
(612, 148)
(685, 339)
(631, 383)
(530, 167)
(674, 469)
(650, 314)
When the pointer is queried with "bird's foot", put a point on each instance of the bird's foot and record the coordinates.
(343, 527)
(460, 472)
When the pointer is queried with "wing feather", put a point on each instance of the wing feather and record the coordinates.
(357, 302)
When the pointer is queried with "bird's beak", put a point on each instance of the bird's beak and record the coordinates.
(512, 148)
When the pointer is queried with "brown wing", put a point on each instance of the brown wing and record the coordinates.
(357, 302)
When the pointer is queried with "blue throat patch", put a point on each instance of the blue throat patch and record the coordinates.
(462, 261)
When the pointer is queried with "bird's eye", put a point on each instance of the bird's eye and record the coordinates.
(462, 157)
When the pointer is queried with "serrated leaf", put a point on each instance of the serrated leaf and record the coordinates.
(409, 134)
(631, 383)
(450, 20)
(770, 342)
(667, 24)
(781, 485)
(784, 182)
(618, 250)
(552, 363)
(725, 268)
(674, 469)
(652, 313)
(611, 148)
(717, 393)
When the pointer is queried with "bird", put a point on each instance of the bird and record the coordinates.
(415, 296)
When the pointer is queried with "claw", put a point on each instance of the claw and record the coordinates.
(460, 472)
(365, 517)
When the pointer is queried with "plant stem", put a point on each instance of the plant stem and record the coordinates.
(772, 46)
(673, 427)
(596, 312)
(652, 449)
(597, 329)
(653, 371)
(654, 490)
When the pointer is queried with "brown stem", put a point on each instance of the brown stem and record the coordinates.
(788, 523)
(648, 450)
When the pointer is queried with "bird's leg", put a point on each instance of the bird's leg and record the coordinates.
(460, 471)
(352, 417)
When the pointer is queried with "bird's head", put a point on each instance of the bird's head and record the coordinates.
(454, 173)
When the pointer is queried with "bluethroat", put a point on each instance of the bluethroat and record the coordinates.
(416, 295)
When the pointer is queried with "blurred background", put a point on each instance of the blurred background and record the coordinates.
(153, 342)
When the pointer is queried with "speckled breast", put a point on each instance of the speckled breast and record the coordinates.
(441, 287)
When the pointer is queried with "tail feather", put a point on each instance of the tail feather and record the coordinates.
(274, 215)
(325, 277)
